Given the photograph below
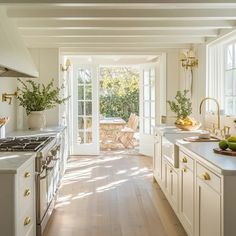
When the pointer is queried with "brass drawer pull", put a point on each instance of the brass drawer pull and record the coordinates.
(27, 174)
(184, 160)
(206, 176)
(27, 192)
(27, 221)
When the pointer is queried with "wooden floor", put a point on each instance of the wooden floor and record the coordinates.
(112, 195)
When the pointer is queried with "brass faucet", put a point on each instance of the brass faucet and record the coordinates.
(218, 108)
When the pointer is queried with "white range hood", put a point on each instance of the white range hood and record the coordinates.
(15, 59)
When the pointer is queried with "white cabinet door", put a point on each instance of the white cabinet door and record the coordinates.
(157, 165)
(186, 202)
(208, 211)
(172, 186)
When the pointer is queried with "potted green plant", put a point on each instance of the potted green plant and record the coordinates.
(182, 107)
(36, 98)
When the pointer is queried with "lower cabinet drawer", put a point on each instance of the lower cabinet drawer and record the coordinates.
(26, 199)
(209, 177)
(27, 223)
(27, 176)
(185, 161)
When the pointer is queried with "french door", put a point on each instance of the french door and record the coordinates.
(147, 103)
(85, 110)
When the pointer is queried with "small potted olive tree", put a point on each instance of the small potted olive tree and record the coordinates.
(182, 107)
(36, 98)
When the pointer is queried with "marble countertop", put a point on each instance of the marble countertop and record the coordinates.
(172, 133)
(46, 131)
(225, 165)
(10, 162)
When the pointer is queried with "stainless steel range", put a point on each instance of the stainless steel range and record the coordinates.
(47, 168)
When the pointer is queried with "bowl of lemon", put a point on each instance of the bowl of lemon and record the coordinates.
(187, 124)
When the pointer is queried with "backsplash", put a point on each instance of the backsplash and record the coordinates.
(224, 121)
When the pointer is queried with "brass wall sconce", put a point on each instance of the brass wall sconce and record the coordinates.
(189, 60)
(66, 66)
(7, 97)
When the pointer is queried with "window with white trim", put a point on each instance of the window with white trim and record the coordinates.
(221, 79)
(230, 79)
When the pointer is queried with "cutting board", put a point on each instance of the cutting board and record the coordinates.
(197, 139)
(225, 152)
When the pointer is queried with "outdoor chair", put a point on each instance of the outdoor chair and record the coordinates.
(127, 133)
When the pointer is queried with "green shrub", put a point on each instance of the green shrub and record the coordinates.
(119, 95)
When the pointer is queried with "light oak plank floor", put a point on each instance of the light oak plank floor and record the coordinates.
(112, 195)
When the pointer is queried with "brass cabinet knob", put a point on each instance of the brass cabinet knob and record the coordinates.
(184, 170)
(27, 192)
(27, 221)
(206, 176)
(171, 171)
(184, 160)
(27, 174)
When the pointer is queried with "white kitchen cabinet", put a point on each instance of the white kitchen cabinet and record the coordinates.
(186, 192)
(157, 163)
(171, 185)
(17, 201)
(208, 204)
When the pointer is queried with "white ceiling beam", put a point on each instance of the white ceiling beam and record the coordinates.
(112, 49)
(113, 1)
(85, 5)
(116, 33)
(112, 40)
(125, 14)
(113, 24)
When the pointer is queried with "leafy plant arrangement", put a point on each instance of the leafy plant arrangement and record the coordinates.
(182, 105)
(38, 97)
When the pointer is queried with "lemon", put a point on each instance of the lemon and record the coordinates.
(223, 144)
(232, 139)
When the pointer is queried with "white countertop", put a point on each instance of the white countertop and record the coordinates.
(10, 162)
(46, 131)
(226, 165)
(172, 133)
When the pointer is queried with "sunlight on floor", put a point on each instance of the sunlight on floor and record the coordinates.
(86, 170)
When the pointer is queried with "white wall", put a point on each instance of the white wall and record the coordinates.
(8, 85)
(199, 80)
(172, 80)
(47, 63)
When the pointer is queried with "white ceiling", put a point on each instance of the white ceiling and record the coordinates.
(101, 27)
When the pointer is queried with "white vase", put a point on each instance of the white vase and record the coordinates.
(36, 120)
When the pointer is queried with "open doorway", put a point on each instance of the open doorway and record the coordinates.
(119, 107)
(86, 110)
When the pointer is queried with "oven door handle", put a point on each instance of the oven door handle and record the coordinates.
(48, 169)
(44, 177)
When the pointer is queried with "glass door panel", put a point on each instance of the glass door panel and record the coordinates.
(147, 108)
(85, 112)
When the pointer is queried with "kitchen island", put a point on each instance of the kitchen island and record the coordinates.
(201, 189)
